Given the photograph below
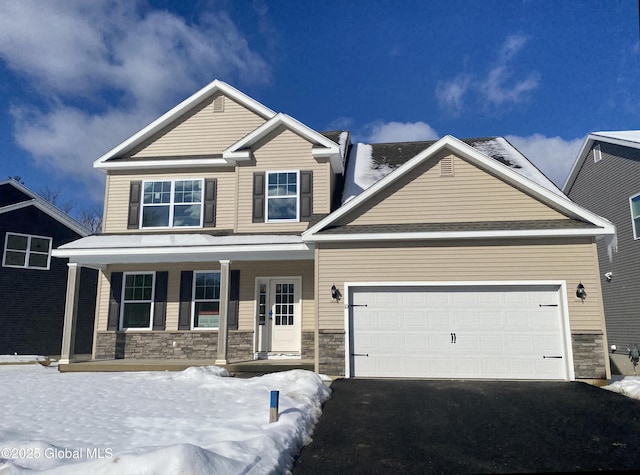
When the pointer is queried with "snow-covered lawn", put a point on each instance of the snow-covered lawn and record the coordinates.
(192, 422)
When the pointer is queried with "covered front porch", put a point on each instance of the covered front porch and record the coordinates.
(167, 302)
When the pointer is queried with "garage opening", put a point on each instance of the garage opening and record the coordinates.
(458, 331)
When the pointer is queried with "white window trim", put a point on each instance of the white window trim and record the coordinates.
(266, 194)
(597, 153)
(172, 204)
(27, 251)
(122, 301)
(636, 231)
(193, 300)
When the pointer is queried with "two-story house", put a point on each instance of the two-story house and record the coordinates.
(33, 283)
(233, 233)
(606, 179)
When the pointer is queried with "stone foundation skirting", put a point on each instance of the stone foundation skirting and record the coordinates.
(196, 345)
(239, 346)
(589, 360)
(331, 361)
(308, 350)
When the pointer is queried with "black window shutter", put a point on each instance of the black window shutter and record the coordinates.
(184, 311)
(306, 195)
(160, 301)
(234, 300)
(209, 220)
(135, 192)
(258, 197)
(115, 296)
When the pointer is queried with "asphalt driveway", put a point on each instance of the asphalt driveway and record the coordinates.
(398, 426)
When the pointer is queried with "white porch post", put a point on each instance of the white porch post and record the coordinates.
(70, 313)
(224, 305)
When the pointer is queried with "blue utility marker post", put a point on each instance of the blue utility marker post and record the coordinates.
(273, 407)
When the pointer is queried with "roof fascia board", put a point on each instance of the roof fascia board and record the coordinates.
(328, 148)
(16, 206)
(168, 163)
(420, 236)
(44, 206)
(587, 145)
(457, 146)
(180, 109)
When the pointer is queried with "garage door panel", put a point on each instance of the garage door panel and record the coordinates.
(497, 333)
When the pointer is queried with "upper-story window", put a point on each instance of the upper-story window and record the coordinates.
(635, 215)
(597, 153)
(282, 196)
(26, 251)
(172, 203)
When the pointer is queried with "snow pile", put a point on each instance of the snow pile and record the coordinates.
(629, 386)
(196, 421)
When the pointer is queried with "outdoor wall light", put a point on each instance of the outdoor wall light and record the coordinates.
(335, 293)
(608, 276)
(581, 293)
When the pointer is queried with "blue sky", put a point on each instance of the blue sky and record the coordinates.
(78, 77)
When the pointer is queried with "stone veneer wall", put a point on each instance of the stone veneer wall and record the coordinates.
(589, 360)
(195, 345)
(239, 346)
(308, 349)
(331, 344)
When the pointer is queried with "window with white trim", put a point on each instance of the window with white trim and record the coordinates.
(634, 201)
(172, 203)
(25, 251)
(206, 300)
(137, 301)
(283, 202)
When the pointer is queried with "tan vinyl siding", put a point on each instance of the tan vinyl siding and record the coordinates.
(249, 271)
(469, 195)
(202, 131)
(571, 261)
(115, 218)
(282, 151)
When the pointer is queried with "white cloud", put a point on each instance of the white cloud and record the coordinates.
(383, 132)
(497, 88)
(104, 69)
(554, 156)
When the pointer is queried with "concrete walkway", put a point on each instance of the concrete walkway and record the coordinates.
(397, 426)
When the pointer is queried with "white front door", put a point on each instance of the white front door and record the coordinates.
(279, 299)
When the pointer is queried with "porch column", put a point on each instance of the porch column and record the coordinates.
(70, 313)
(224, 305)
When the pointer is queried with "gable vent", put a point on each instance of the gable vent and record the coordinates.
(597, 153)
(446, 166)
(218, 104)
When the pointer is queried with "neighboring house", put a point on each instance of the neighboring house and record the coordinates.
(232, 232)
(32, 282)
(605, 178)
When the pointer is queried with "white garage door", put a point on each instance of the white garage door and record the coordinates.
(457, 332)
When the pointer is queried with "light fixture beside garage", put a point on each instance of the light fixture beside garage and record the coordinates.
(335, 293)
(581, 293)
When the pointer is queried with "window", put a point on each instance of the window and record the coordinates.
(282, 196)
(635, 215)
(27, 252)
(206, 300)
(137, 301)
(175, 203)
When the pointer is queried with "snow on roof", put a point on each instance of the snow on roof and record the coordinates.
(368, 163)
(175, 240)
(626, 135)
